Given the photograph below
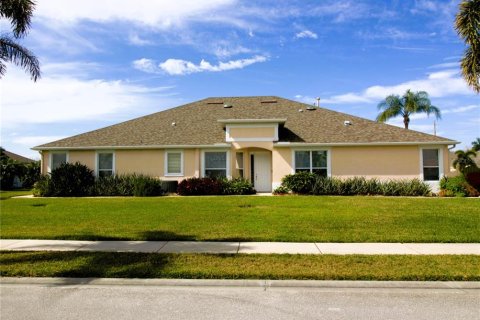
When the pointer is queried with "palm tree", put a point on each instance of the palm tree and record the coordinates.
(476, 145)
(464, 160)
(467, 24)
(19, 12)
(410, 103)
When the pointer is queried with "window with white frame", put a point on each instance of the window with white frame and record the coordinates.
(105, 164)
(57, 159)
(314, 161)
(431, 165)
(174, 163)
(215, 164)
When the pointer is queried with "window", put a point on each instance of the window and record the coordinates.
(311, 161)
(174, 163)
(431, 167)
(56, 159)
(239, 164)
(215, 164)
(105, 163)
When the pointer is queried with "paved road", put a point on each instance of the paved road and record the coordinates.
(137, 301)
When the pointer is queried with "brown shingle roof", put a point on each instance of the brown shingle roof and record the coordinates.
(196, 123)
(17, 157)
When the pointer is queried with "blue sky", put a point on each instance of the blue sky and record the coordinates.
(108, 61)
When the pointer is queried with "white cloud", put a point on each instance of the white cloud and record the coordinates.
(445, 65)
(145, 65)
(159, 14)
(135, 39)
(438, 84)
(225, 51)
(306, 34)
(182, 67)
(461, 109)
(30, 141)
(61, 97)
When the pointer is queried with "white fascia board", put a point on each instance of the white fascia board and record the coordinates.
(342, 144)
(191, 146)
(244, 121)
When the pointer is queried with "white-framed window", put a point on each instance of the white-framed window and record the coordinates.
(174, 163)
(239, 164)
(56, 159)
(105, 163)
(314, 161)
(215, 164)
(431, 166)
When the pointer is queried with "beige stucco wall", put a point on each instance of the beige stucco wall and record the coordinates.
(260, 132)
(191, 163)
(383, 162)
(84, 157)
(281, 164)
(148, 162)
(45, 156)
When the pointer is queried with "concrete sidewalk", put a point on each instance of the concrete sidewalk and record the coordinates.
(243, 247)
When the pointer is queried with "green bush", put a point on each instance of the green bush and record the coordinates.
(300, 182)
(281, 190)
(43, 187)
(72, 180)
(237, 186)
(307, 183)
(31, 174)
(457, 186)
(128, 185)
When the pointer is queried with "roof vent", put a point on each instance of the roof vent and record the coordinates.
(227, 105)
(311, 107)
(215, 102)
(174, 124)
(268, 101)
(300, 110)
(347, 123)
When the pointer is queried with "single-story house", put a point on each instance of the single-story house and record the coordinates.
(259, 138)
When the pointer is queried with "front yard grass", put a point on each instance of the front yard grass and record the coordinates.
(244, 218)
(206, 266)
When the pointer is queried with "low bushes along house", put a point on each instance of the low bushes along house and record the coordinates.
(261, 139)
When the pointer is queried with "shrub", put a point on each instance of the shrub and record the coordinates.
(72, 180)
(43, 187)
(237, 186)
(353, 186)
(300, 182)
(31, 174)
(128, 185)
(281, 190)
(473, 178)
(457, 186)
(199, 186)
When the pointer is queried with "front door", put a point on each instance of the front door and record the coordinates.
(262, 172)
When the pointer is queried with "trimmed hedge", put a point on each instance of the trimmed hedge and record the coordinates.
(309, 183)
(211, 186)
(77, 180)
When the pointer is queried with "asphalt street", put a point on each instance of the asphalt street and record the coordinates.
(137, 301)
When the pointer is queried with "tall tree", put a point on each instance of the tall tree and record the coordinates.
(406, 105)
(19, 13)
(476, 145)
(467, 24)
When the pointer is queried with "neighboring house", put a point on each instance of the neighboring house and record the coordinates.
(17, 183)
(259, 138)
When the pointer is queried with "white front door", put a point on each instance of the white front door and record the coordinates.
(262, 172)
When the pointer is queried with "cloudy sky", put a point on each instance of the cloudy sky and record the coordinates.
(107, 61)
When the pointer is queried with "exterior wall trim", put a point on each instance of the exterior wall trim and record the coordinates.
(107, 148)
(361, 144)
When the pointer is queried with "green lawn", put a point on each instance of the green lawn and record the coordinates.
(203, 266)
(244, 218)
(6, 194)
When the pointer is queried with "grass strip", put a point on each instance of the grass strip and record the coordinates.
(244, 218)
(209, 266)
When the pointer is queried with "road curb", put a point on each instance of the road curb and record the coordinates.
(241, 283)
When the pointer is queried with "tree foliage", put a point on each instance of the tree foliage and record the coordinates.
(467, 24)
(406, 105)
(19, 13)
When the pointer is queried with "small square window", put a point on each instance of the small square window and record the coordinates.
(58, 159)
(174, 160)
